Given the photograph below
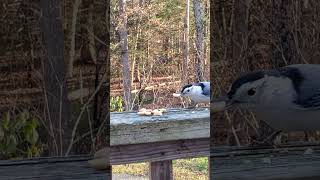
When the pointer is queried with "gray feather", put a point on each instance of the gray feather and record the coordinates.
(205, 88)
(309, 87)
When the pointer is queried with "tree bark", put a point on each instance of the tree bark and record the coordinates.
(185, 50)
(125, 54)
(54, 77)
(199, 39)
(76, 6)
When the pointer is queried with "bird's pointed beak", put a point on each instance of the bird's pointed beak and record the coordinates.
(225, 99)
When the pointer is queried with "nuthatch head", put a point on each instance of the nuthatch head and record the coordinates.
(287, 98)
(198, 92)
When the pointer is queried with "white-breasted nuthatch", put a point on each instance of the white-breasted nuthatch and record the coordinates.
(198, 92)
(287, 99)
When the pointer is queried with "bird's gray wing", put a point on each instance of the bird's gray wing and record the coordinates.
(313, 102)
(206, 89)
(309, 87)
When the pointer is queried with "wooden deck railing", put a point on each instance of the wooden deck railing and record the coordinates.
(177, 134)
(286, 162)
(159, 139)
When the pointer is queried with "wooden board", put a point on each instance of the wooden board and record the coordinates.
(76, 168)
(161, 170)
(177, 124)
(160, 151)
(266, 164)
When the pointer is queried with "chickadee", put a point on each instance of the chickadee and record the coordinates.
(287, 99)
(198, 92)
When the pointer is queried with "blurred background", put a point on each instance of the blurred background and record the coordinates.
(252, 35)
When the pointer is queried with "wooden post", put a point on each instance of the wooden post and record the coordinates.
(161, 170)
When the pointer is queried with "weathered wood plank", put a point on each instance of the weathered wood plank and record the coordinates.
(266, 164)
(159, 151)
(161, 170)
(176, 124)
(51, 169)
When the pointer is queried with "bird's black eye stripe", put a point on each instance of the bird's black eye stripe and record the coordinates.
(185, 87)
(251, 91)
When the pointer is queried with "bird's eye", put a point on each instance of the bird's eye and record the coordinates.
(251, 91)
(188, 90)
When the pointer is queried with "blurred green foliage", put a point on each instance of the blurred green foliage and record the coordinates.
(116, 104)
(19, 136)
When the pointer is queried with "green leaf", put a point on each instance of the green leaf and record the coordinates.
(34, 122)
(19, 122)
(32, 136)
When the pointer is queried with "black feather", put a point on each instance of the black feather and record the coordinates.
(200, 84)
(290, 72)
(184, 87)
(250, 77)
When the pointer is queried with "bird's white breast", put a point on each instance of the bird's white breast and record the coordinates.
(200, 98)
(197, 96)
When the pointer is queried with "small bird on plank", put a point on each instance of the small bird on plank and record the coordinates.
(197, 92)
(287, 98)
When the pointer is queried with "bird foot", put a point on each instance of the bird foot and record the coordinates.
(192, 106)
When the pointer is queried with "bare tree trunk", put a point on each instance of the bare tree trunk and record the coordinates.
(135, 74)
(54, 72)
(76, 6)
(185, 50)
(125, 54)
(199, 39)
(284, 51)
(166, 47)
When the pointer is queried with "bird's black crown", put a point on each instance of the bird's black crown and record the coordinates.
(289, 72)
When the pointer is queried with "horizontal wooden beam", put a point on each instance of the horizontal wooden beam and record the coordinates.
(176, 124)
(53, 168)
(285, 163)
(160, 151)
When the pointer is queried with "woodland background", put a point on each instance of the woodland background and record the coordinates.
(156, 48)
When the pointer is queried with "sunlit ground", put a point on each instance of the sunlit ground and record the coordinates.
(191, 169)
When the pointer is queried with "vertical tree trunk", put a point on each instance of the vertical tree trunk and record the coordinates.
(185, 50)
(166, 47)
(135, 74)
(54, 72)
(72, 53)
(125, 54)
(199, 39)
(104, 98)
(284, 51)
